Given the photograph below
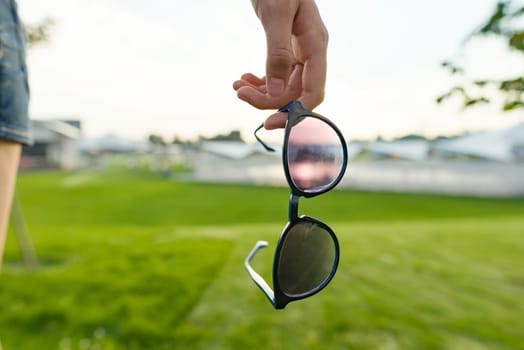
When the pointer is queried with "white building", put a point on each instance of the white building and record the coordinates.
(55, 144)
(401, 149)
(505, 145)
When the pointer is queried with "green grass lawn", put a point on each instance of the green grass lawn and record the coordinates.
(137, 262)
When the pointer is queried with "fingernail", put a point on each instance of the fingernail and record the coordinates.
(275, 86)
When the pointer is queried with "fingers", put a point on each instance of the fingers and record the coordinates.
(311, 42)
(276, 121)
(252, 81)
(314, 80)
(259, 97)
(277, 19)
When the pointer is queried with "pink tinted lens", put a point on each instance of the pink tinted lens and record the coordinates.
(314, 155)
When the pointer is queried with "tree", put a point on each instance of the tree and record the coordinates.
(38, 33)
(156, 140)
(234, 135)
(506, 23)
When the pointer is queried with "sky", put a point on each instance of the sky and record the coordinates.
(137, 67)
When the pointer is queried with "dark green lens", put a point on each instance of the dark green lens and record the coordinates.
(307, 258)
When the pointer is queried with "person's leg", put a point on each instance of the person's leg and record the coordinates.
(9, 159)
(14, 100)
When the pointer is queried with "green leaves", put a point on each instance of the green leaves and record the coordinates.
(506, 22)
(39, 33)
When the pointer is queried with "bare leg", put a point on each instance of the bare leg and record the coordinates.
(9, 159)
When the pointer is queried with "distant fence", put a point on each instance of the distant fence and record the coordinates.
(476, 178)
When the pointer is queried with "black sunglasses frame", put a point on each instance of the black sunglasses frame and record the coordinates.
(278, 298)
(296, 113)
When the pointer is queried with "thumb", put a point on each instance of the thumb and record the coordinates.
(279, 62)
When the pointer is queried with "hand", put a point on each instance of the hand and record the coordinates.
(296, 62)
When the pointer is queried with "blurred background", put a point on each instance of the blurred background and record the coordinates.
(145, 188)
(129, 76)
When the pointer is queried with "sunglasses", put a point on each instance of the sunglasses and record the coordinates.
(306, 258)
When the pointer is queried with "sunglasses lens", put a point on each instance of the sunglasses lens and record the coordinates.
(307, 259)
(314, 154)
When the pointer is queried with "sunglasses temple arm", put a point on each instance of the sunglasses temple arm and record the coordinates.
(269, 149)
(259, 281)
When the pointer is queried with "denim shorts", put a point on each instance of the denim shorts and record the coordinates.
(14, 88)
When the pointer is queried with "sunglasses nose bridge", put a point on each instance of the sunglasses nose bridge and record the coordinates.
(293, 207)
